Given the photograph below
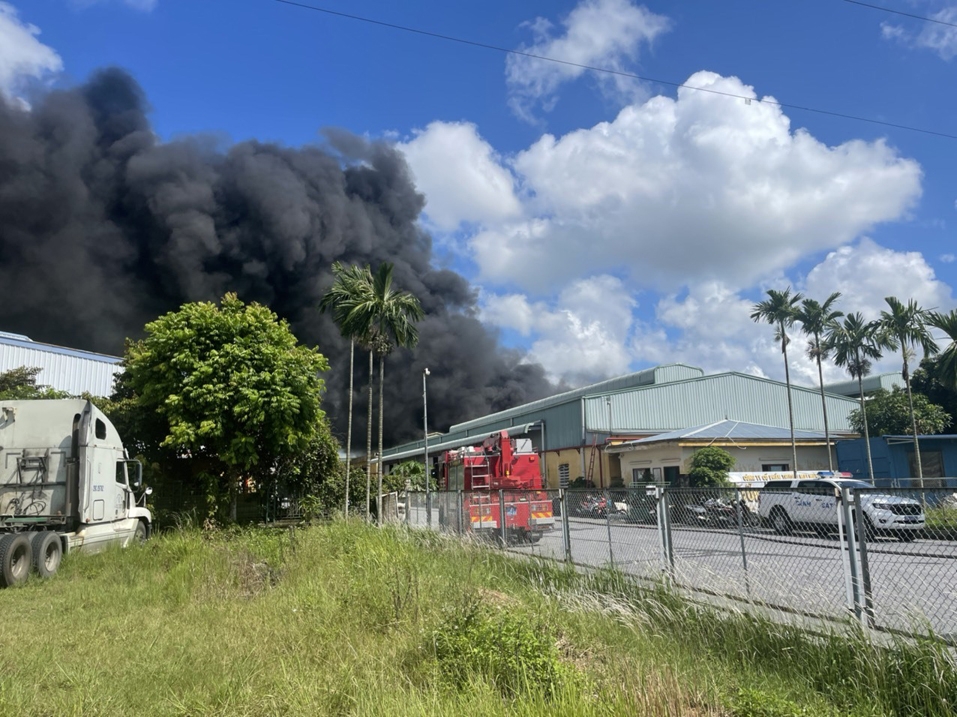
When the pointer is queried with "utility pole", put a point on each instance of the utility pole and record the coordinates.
(425, 427)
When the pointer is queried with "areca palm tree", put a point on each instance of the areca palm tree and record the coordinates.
(780, 310)
(815, 319)
(947, 362)
(389, 317)
(855, 344)
(906, 327)
(340, 300)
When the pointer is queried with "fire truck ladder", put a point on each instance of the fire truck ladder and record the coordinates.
(481, 474)
(591, 460)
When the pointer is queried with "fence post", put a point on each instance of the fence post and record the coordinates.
(664, 531)
(460, 510)
(501, 516)
(865, 571)
(848, 548)
(608, 507)
(566, 533)
(744, 554)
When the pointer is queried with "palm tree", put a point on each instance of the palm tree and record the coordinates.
(780, 310)
(855, 344)
(815, 319)
(341, 299)
(947, 362)
(389, 317)
(906, 327)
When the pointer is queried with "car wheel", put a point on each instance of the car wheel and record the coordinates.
(781, 522)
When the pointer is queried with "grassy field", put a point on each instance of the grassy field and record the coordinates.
(345, 619)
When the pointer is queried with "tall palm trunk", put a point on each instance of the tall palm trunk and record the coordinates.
(352, 366)
(379, 462)
(787, 381)
(867, 434)
(827, 432)
(913, 423)
(369, 442)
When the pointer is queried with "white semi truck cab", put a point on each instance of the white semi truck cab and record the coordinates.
(66, 483)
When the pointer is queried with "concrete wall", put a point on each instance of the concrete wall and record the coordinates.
(607, 469)
(749, 459)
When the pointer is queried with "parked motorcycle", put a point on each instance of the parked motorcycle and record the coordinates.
(715, 513)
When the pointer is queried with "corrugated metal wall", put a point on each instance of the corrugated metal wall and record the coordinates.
(737, 396)
(63, 369)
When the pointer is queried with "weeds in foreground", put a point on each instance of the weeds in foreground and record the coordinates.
(347, 619)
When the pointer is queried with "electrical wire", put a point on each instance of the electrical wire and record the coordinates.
(620, 73)
(901, 12)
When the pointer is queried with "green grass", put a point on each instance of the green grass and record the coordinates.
(345, 619)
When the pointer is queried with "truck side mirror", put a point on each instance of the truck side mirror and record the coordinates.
(135, 471)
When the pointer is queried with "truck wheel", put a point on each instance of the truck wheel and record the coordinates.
(47, 553)
(781, 522)
(16, 557)
(139, 535)
(535, 536)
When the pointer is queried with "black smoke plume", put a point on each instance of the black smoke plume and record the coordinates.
(103, 227)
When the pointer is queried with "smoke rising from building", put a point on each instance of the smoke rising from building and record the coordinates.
(103, 227)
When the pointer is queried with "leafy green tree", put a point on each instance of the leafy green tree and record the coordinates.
(947, 366)
(20, 384)
(388, 317)
(855, 344)
(780, 310)
(929, 380)
(906, 328)
(889, 414)
(709, 467)
(411, 471)
(815, 317)
(227, 391)
(341, 299)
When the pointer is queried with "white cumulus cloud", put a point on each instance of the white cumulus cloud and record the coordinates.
(597, 33)
(694, 188)
(941, 39)
(582, 337)
(461, 175)
(23, 58)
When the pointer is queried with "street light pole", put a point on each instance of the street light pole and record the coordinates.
(425, 428)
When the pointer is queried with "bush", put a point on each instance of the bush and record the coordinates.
(501, 645)
(709, 467)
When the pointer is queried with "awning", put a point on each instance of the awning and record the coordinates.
(475, 440)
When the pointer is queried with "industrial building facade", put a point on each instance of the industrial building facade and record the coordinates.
(571, 430)
(64, 369)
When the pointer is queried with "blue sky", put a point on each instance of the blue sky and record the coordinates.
(608, 223)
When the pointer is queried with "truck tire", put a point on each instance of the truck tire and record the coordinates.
(47, 553)
(141, 533)
(780, 521)
(16, 557)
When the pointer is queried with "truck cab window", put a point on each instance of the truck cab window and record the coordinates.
(100, 429)
(121, 472)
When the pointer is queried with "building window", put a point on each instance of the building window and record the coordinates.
(563, 475)
(932, 463)
(775, 467)
(641, 475)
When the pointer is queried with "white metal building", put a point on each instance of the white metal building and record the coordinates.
(61, 368)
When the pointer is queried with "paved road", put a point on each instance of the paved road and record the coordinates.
(910, 582)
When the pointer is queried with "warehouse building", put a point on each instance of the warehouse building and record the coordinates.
(70, 370)
(572, 429)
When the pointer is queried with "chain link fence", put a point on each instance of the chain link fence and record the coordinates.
(886, 556)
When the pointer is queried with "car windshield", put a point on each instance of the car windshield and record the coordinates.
(852, 484)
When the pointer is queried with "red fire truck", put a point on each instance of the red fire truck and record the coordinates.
(502, 472)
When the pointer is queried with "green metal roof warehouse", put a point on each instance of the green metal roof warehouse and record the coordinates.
(656, 400)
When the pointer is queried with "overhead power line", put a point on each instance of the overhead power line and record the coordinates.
(901, 12)
(609, 71)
